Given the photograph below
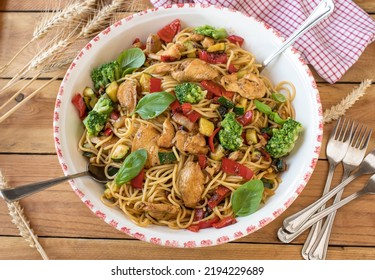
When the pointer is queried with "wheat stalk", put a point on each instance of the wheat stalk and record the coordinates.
(102, 19)
(339, 110)
(20, 220)
(74, 12)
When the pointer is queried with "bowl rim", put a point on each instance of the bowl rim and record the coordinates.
(141, 233)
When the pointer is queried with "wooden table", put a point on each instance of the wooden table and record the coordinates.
(67, 229)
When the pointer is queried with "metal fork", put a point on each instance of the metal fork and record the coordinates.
(337, 146)
(354, 156)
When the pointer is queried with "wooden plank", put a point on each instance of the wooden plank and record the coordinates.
(59, 212)
(42, 5)
(99, 249)
(16, 25)
(37, 115)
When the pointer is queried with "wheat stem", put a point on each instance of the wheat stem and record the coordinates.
(22, 223)
(73, 12)
(339, 110)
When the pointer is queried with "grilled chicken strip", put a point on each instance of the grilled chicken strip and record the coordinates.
(192, 143)
(195, 70)
(160, 211)
(167, 135)
(191, 184)
(146, 138)
(127, 95)
(249, 86)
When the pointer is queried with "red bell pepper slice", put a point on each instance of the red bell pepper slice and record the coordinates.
(246, 118)
(230, 220)
(108, 131)
(232, 167)
(236, 39)
(193, 116)
(265, 154)
(199, 214)
(168, 32)
(211, 139)
(79, 103)
(193, 228)
(175, 107)
(167, 58)
(220, 193)
(213, 58)
(232, 69)
(208, 223)
(155, 85)
(115, 115)
(202, 161)
(212, 87)
(186, 108)
(228, 94)
(137, 181)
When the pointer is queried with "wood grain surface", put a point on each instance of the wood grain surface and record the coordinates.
(67, 229)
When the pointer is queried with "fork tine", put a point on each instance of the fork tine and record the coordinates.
(333, 132)
(346, 130)
(365, 140)
(356, 136)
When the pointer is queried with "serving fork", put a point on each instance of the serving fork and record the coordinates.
(353, 157)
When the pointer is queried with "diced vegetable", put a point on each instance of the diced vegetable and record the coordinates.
(183, 120)
(216, 48)
(230, 220)
(137, 181)
(246, 119)
(230, 133)
(232, 167)
(166, 157)
(212, 87)
(155, 84)
(251, 136)
(207, 30)
(111, 91)
(218, 154)
(222, 111)
(202, 161)
(225, 102)
(189, 93)
(168, 32)
(206, 127)
(235, 39)
(232, 69)
(220, 193)
(213, 58)
(145, 82)
(79, 103)
(89, 97)
(120, 151)
(239, 111)
(211, 139)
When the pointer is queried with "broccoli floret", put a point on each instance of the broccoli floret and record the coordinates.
(105, 74)
(207, 30)
(230, 133)
(97, 117)
(190, 93)
(283, 139)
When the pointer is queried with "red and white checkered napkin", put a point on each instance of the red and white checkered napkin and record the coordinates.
(331, 47)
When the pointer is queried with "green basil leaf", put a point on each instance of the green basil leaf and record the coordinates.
(153, 104)
(131, 58)
(278, 97)
(246, 199)
(131, 166)
(264, 108)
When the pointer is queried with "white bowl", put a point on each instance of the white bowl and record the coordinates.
(261, 40)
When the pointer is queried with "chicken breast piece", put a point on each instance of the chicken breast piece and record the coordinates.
(160, 211)
(127, 95)
(190, 183)
(192, 143)
(146, 138)
(195, 70)
(166, 138)
(153, 43)
(249, 86)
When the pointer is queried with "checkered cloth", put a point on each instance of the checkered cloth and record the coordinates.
(331, 47)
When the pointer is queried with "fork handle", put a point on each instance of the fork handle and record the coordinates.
(324, 9)
(287, 237)
(295, 221)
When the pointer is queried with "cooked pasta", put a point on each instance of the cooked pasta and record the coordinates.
(192, 168)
